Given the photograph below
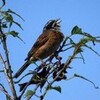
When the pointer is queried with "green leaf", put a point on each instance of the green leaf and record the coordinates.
(79, 76)
(13, 33)
(8, 17)
(10, 11)
(8, 98)
(1, 71)
(4, 26)
(92, 50)
(88, 39)
(76, 30)
(29, 93)
(71, 41)
(57, 88)
(1, 36)
(10, 24)
(18, 24)
(20, 39)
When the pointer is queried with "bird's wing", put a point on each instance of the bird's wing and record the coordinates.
(42, 39)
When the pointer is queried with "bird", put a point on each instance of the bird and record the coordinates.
(46, 44)
(38, 78)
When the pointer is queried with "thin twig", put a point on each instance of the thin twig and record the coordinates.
(26, 87)
(23, 77)
(2, 88)
(34, 90)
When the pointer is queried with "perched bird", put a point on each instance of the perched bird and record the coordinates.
(46, 44)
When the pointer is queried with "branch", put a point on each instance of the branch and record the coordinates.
(27, 86)
(9, 75)
(66, 65)
(34, 91)
(4, 66)
(39, 67)
(4, 91)
(3, 3)
(58, 68)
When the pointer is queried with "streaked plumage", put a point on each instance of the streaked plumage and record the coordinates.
(46, 44)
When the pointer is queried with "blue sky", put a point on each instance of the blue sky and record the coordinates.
(85, 14)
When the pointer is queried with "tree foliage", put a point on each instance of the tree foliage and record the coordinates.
(48, 72)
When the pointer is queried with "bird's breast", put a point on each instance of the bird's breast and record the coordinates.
(50, 46)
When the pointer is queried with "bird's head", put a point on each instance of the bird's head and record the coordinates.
(52, 25)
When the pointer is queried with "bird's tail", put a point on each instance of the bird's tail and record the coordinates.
(22, 86)
(20, 71)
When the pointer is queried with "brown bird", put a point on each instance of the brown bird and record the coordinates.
(46, 44)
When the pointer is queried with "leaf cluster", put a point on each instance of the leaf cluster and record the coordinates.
(7, 21)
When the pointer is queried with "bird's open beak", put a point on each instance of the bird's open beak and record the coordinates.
(58, 21)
